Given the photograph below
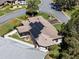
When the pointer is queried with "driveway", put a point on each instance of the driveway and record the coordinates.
(45, 7)
(11, 15)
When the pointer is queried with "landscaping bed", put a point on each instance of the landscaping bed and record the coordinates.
(54, 21)
(16, 36)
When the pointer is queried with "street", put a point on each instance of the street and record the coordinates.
(11, 15)
(43, 7)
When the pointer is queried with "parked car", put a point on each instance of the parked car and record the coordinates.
(55, 6)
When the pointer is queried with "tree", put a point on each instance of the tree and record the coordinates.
(70, 44)
(32, 6)
(54, 51)
(67, 4)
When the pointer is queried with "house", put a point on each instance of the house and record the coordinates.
(10, 49)
(2, 2)
(22, 2)
(41, 31)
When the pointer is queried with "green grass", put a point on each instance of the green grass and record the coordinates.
(16, 36)
(58, 26)
(54, 51)
(11, 24)
(23, 17)
(69, 12)
(45, 15)
(8, 26)
(1, 13)
(24, 6)
(38, 1)
(5, 9)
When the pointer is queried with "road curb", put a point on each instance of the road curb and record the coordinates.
(65, 14)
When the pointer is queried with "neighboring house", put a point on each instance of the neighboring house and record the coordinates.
(10, 49)
(41, 31)
(20, 2)
(2, 2)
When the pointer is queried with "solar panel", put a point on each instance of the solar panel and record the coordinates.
(36, 28)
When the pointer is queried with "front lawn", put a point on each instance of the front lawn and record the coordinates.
(8, 26)
(45, 15)
(16, 36)
(22, 17)
(11, 24)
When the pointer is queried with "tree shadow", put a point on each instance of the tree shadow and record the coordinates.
(31, 13)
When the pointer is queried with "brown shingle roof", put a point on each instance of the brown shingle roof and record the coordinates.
(24, 28)
(48, 33)
(42, 31)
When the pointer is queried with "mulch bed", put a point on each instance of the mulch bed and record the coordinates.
(53, 21)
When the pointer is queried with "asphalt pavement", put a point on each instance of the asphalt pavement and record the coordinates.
(43, 7)
(11, 15)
